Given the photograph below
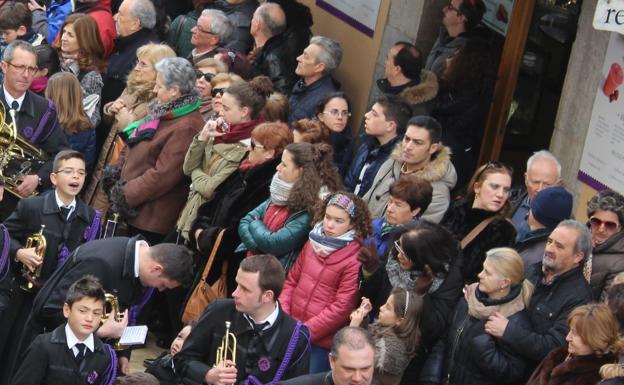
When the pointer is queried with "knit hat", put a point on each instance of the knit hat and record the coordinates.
(551, 206)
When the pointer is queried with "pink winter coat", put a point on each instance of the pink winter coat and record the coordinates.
(322, 291)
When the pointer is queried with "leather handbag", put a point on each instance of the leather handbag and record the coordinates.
(204, 293)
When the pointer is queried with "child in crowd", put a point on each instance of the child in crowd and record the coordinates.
(64, 91)
(71, 353)
(321, 289)
(16, 23)
(68, 221)
(162, 367)
(396, 333)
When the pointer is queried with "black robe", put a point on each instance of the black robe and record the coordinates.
(198, 353)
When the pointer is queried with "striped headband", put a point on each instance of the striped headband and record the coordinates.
(344, 202)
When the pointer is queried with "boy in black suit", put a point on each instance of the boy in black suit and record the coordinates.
(69, 222)
(72, 353)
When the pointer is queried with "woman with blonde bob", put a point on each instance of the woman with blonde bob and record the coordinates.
(593, 341)
(472, 355)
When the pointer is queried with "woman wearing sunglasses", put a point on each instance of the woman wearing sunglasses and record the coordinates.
(479, 220)
(206, 70)
(606, 215)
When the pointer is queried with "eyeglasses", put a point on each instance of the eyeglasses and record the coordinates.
(71, 172)
(495, 165)
(609, 225)
(207, 76)
(203, 30)
(254, 145)
(398, 247)
(217, 91)
(451, 7)
(335, 113)
(22, 68)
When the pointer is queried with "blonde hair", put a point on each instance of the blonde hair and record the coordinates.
(508, 263)
(218, 65)
(609, 371)
(65, 92)
(151, 53)
(596, 325)
(226, 77)
(618, 279)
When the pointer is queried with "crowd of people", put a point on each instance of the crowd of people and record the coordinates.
(193, 166)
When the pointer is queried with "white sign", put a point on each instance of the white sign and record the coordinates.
(497, 15)
(609, 15)
(602, 163)
(361, 14)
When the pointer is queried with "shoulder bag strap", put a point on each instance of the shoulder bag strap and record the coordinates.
(476, 231)
(215, 247)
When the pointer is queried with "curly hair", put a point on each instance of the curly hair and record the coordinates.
(607, 200)
(318, 170)
(362, 222)
(311, 131)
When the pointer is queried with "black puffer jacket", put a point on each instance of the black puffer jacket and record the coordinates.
(607, 262)
(548, 313)
(274, 61)
(473, 357)
(240, 15)
(461, 218)
(298, 23)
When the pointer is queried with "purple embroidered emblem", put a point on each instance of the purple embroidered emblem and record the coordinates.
(85, 235)
(264, 364)
(92, 377)
(27, 132)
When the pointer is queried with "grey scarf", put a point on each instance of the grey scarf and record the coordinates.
(280, 190)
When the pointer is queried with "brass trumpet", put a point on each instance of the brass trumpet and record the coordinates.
(112, 302)
(227, 350)
(38, 241)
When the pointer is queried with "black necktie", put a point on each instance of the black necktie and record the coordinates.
(81, 351)
(253, 349)
(65, 212)
(15, 105)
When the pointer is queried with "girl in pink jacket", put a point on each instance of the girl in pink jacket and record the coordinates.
(321, 289)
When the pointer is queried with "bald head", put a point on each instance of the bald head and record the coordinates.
(270, 19)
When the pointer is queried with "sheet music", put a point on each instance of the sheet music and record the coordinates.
(134, 335)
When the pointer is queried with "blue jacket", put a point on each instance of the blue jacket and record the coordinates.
(304, 98)
(370, 151)
(84, 142)
(49, 22)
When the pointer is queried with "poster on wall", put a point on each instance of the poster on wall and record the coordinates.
(602, 163)
(497, 15)
(360, 14)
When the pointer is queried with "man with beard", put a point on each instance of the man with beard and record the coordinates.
(559, 287)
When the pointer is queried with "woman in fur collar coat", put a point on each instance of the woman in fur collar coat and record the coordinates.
(593, 341)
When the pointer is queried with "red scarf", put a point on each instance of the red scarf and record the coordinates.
(274, 218)
(239, 132)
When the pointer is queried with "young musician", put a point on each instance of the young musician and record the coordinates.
(68, 221)
(72, 353)
(271, 346)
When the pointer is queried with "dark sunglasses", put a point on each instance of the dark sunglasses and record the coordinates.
(207, 76)
(596, 223)
(217, 91)
(255, 145)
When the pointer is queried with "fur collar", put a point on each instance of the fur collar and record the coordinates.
(579, 370)
(422, 92)
(435, 170)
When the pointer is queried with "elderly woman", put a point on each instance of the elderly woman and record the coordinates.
(218, 84)
(472, 356)
(152, 188)
(606, 215)
(478, 221)
(593, 341)
(206, 70)
(130, 106)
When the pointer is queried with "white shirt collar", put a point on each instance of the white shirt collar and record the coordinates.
(9, 99)
(137, 248)
(59, 203)
(270, 319)
(72, 340)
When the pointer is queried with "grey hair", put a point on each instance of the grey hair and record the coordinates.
(607, 200)
(544, 154)
(330, 53)
(353, 337)
(583, 242)
(144, 11)
(219, 24)
(9, 51)
(272, 25)
(177, 71)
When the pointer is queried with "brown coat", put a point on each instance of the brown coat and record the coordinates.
(155, 183)
(94, 195)
(581, 370)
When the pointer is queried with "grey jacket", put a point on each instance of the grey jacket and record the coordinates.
(439, 172)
